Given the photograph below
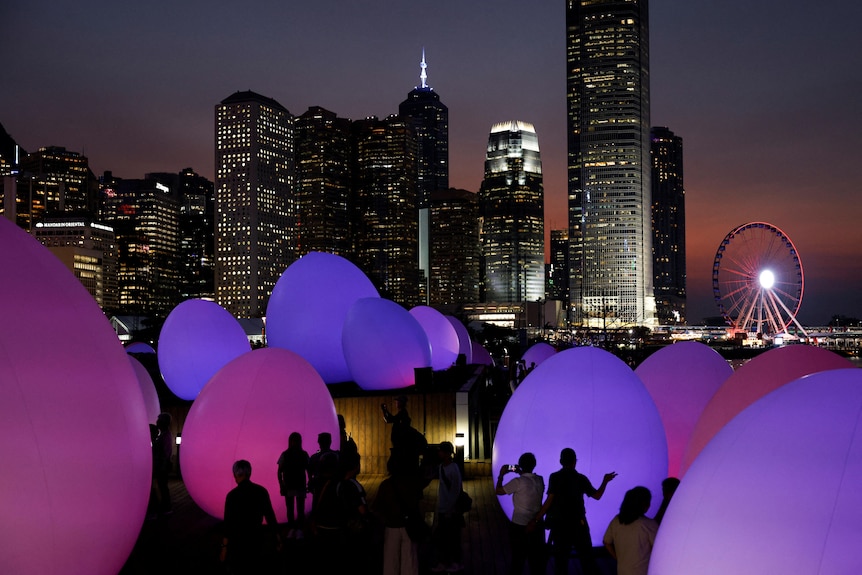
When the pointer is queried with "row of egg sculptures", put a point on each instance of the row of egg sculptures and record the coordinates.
(77, 460)
(587, 399)
(248, 411)
(326, 310)
(776, 490)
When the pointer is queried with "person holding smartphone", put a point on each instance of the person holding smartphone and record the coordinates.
(526, 490)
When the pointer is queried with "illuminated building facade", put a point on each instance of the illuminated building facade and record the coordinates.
(607, 55)
(558, 272)
(387, 241)
(144, 214)
(455, 253)
(254, 204)
(88, 249)
(512, 210)
(668, 225)
(324, 199)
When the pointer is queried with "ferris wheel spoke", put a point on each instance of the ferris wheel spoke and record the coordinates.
(778, 323)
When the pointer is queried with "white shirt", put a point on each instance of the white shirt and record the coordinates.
(526, 491)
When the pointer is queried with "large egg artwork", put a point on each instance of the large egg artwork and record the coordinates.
(537, 353)
(465, 345)
(682, 378)
(148, 390)
(441, 336)
(777, 488)
(307, 308)
(481, 355)
(198, 338)
(763, 374)
(589, 400)
(247, 411)
(384, 344)
(77, 464)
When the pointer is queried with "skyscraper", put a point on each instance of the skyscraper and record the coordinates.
(430, 120)
(668, 220)
(512, 208)
(454, 271)
(324, 201)
(385, 178)
(607, 83)
(558, 275)
(255, 227)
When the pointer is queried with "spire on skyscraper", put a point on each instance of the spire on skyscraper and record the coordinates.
(423, 76)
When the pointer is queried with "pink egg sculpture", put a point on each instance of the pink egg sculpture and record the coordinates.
(481, 355)
(247, 411)
(148, 390)
(77, 463)
(198, 338)
(537, 353)
(441, 336)
(763, 374)
(307, 308)
(465, 345)
(587, 399)
(682, 378)
(776, 490)
(383, 344)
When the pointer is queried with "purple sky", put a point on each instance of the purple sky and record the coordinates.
(765, 94)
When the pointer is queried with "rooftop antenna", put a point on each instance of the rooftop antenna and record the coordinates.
(423, 76)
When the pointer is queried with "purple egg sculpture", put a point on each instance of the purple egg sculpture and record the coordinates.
(441, 336)
(76, 447)
(383, 344)
(199, 337)
(682, 378)
(307, 308)
(763, 374)
(465, 345)
(537, 353)
(140, 347)
(481, 355)
(247, 411)
(777, 488)
(148, 390)
(587, 399)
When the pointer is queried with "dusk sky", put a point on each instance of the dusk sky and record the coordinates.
(765, 94)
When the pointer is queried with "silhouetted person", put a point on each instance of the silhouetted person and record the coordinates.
(163, 450)
(397, 504)
(292, 481)
(567, 515)
(353, 504)
(447, 534)
(630, 535)
(526, 490)
(247, 542)
(346, 445)
(327, 518)
(668, 488)
(153, 504)
(324, 442)
(400, 421)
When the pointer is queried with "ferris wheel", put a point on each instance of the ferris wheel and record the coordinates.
(757, 279)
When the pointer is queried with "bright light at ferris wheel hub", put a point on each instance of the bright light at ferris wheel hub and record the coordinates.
(767, 279)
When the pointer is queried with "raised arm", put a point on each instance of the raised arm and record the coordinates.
(605, 480)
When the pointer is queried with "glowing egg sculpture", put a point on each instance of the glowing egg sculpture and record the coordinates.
(198, 338)
(587, 399)
(682, 378)
(481, 355)
(148, 390)
(537, 353)
(383, 344)
(465, 346)
(77, 463)
(247, 411)
(441, 336)
(308, 306)
(140, 347)
(763, 374)
(776, 490)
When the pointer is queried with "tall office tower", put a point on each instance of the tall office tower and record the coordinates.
(89, 250)
(454, 270)
(255, 211)
(668, 225)
(607, 83)
(512, 208)
(324, 200)
(144, 214)
(387, 228)
(558, 274)
(10, 159)
(55, 181)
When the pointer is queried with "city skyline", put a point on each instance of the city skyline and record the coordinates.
(761, 94)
